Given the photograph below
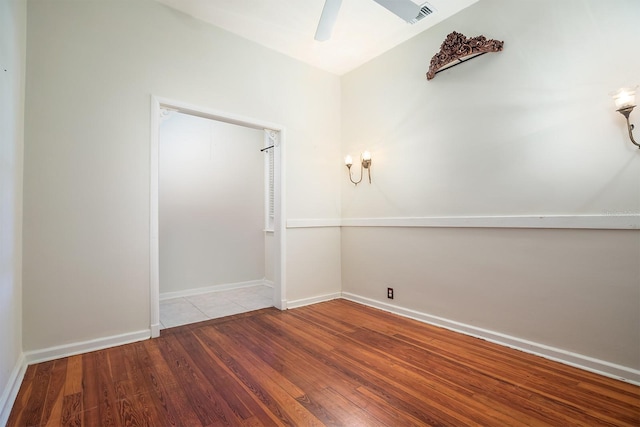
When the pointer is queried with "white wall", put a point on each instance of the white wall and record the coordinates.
(12, 68)
(313, 266)
(528, 131)
(92, 67)
(211, 203)
(269, 248)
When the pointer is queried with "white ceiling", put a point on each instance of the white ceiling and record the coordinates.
(363, 30)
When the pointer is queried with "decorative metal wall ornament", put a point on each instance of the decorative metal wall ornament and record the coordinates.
(457, 48)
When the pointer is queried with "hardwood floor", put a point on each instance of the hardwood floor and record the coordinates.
(336, 363)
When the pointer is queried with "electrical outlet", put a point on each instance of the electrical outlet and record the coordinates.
(390, 293)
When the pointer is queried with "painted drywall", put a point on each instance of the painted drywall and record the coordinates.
(530, 130)
(310, 266)
(531, 284)
(91, 70)
(269, 246)
(211, 203)
(12, 69)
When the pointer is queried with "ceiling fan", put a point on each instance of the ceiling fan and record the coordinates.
(405, 9)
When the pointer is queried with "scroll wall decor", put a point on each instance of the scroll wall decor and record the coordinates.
(457, 48)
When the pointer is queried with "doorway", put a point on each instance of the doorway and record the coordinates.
(273, 138)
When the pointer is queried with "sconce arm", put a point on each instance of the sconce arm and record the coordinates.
(626, 112)
(631, 127)
(351, 179)
(366, 164)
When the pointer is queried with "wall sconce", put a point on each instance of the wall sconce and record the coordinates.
(365, 164)
(624, 99)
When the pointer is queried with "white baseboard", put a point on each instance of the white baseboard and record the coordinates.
(214, 288)
(587, 363)
(312, 300)
(57, 352)
(155, 330)
(11, 389)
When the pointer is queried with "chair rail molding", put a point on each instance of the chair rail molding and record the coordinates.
(596, 222)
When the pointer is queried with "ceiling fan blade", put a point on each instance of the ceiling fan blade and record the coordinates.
(327, 19)
(405, 9)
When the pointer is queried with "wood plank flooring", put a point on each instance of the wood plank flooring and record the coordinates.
(336, 363)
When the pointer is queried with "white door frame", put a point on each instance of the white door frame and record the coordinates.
(279, 299)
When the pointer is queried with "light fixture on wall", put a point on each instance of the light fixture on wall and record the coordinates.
(624, 99)
(365, 163)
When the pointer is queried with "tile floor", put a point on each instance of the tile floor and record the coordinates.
(211, 305)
